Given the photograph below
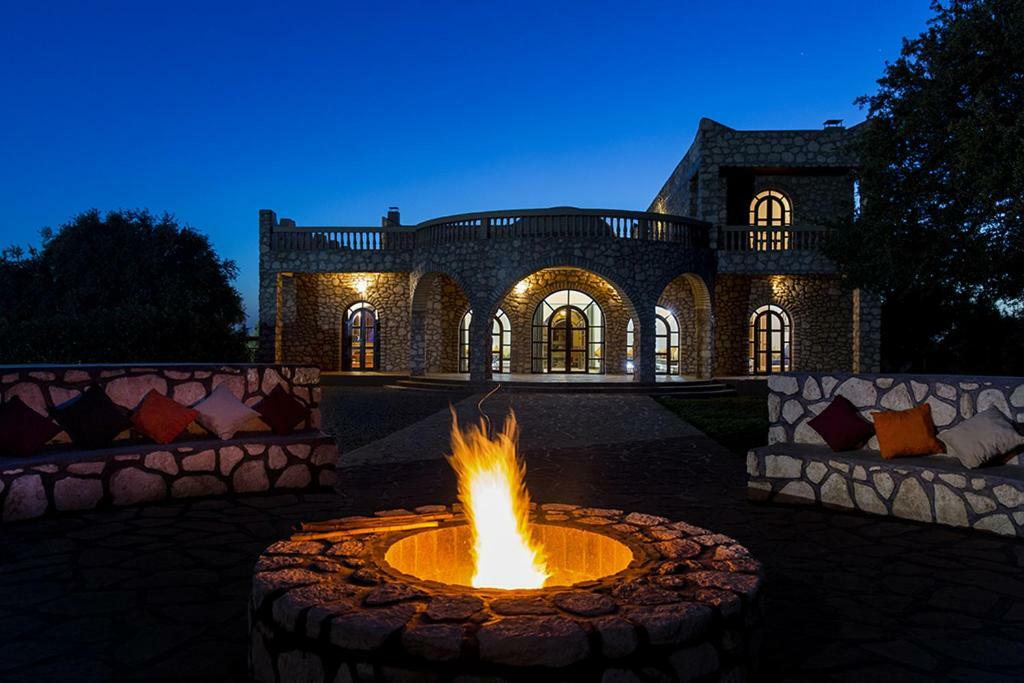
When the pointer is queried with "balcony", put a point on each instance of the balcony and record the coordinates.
(556, 223)
(790, 238)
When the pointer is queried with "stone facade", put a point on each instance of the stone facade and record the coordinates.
(818, 306)
(132, 471)
(797, 466)
(328, 606)
(425, 277)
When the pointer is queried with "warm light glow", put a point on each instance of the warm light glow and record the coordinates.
(521, 287)
(497, 506)
(362, 285)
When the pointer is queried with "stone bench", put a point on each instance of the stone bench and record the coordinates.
(62, 478)
(796, 466)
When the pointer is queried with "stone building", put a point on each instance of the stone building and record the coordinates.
(721, 276)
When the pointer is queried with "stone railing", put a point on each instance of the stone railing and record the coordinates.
(288, 238)
(555, 223)
(133, 470)
(792, 238)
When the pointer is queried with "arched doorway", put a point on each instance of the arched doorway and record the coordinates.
(770, 341)
(359, 345)
(568, 334)
(501, 342)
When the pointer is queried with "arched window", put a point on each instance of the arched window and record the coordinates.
(771, 212)
(360, 338)
(501, 342)
(666, 343)
(770, 341)
(568, 333)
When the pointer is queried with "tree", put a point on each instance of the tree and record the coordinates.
(121, 287)
(940, 232)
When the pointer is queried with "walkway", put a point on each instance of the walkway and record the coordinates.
(159, 592)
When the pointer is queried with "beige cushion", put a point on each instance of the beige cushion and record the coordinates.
(222, 413)
(986, 436)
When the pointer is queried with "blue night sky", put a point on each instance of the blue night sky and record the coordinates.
(330, 112)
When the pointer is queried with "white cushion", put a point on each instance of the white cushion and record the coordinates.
(222, 413)
(982, 438)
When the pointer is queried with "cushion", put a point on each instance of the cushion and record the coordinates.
(907, 432)
(281, 410)
(23, 431)
(92, 420)
(981, 439)
(160, 418)
(222, 413)
(841, 426)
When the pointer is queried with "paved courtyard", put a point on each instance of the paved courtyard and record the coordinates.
(159, 592)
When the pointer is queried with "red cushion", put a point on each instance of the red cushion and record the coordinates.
(23, 431)
(281, 410)
(162, 419)
(841, 426)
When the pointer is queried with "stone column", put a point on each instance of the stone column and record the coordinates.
(643, 359)
(480, 343)
(866, 332)
(266, 351)
(706, 342)
(417, 342)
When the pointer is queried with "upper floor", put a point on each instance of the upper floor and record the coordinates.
(759, 201)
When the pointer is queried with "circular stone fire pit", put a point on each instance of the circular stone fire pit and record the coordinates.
(386, 598)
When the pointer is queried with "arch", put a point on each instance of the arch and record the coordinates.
(360, 348)
(770, 212)
(437, 301)
(568, 334)
(501, 342)
(687, 297)
(770, 340)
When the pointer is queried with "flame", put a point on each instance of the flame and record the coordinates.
(493, 494)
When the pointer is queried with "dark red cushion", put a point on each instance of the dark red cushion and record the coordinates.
(23, 431)
(92, 420)
(841, 426)
(161, 418)
(281, 410)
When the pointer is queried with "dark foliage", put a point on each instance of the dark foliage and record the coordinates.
(940, 234)
(126, 286)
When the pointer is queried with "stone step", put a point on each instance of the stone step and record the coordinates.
(695, 389)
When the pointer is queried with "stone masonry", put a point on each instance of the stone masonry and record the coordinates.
(797, 466)
(308, 276)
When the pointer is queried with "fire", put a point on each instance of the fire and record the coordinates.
(493, 493)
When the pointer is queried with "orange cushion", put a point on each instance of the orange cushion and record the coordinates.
(160, 418)
(907, 432)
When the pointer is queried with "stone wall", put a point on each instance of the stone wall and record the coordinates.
(313, 323)
(678, 298)
(819, 308)
(794, 399)
(132, 471)
(798, 467)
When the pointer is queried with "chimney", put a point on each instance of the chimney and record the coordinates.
(394, 216)
(833, 123)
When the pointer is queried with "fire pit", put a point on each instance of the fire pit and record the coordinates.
(500, 589)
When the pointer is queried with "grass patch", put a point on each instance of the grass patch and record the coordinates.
(739, 423)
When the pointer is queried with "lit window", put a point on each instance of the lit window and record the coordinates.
(770, 212)
(359, 341)
(568, 334)
(501, 342)
(770, 341)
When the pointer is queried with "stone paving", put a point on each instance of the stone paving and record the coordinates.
(159, 592)
(545, 421)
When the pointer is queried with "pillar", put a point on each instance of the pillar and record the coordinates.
(480, 342)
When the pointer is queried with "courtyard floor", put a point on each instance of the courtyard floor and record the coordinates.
(159, 592)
